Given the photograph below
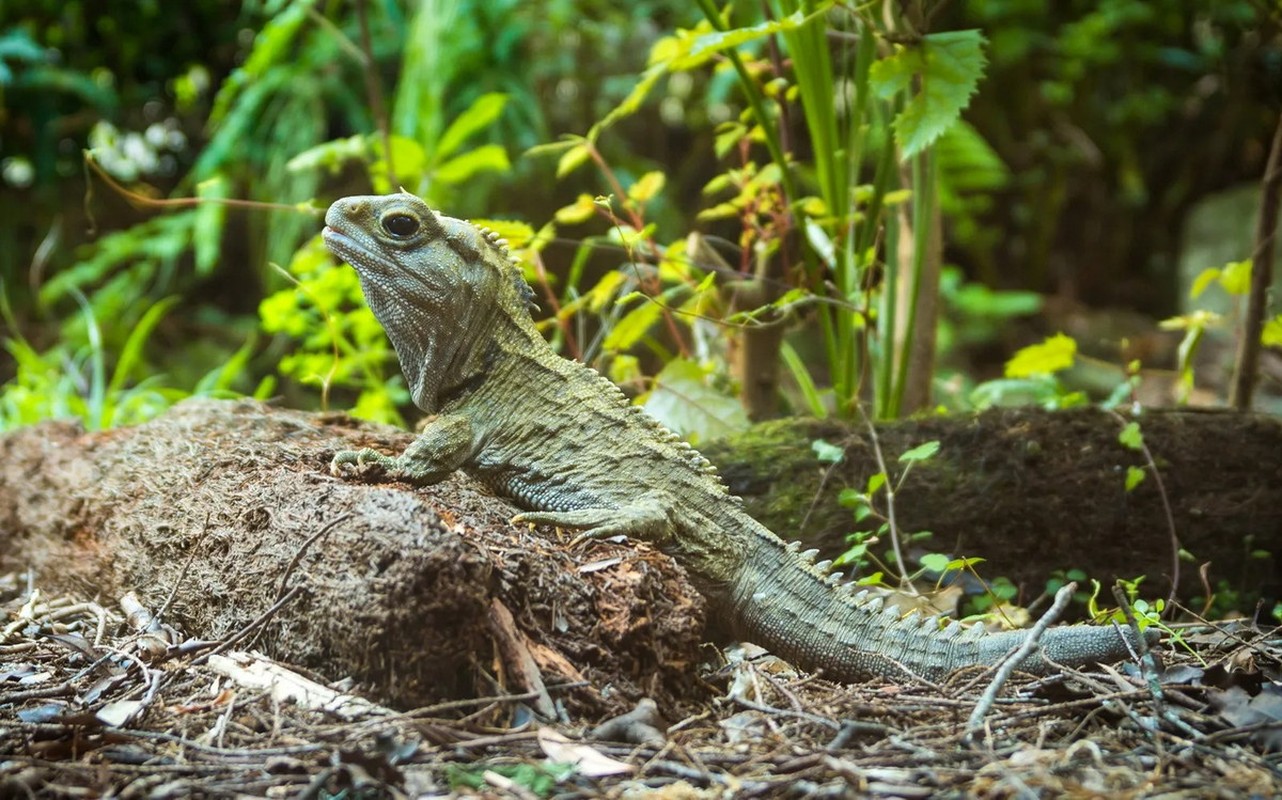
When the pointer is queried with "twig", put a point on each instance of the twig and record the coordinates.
(892, 526)
(298, 556)
(1246, 364)
(375, 91)
(182, 574)
(1012, 662)
(245, 631)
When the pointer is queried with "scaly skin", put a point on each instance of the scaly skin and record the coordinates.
(565, 444)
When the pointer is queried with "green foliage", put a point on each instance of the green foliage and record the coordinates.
(61, 383)
(864, 505)
(947, 67)
(1053, 354)
(539, 780)
(1146, 614)
(339, 342)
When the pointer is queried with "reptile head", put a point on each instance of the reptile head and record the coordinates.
(438, 285)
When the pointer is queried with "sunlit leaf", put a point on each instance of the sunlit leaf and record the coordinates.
(572, 159)
(1236, 277)
(478, 116)
(1051, 356)
(921, 452)
(1131, 437)
(935, 562)
(1204, 279)
(580, 211)
(634, 324)
(1271, 336)
(826, 452)
(646, 187)
(486, 158)
(875, 482)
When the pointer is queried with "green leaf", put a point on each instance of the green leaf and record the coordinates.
(332, 155)
(646, 187)
(1271, 336)
(1134, 476)
(827, 453)
(1236, 277)
(207, 227)
(935, 562)
(1131, 436)
(635, 324)
(572, 159)
(1204, 279)
(578, 212)
(486, 158)
(1052, 355)
(921, 452)
(875, 482)
(948, 67)
(682, 400)
(719, 41)
(478, 116)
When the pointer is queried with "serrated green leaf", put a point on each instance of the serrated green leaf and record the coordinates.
(478, 116)
(1131, 436)
(1050, 356)
(921, 452)
(948, 67)
(1134, 476)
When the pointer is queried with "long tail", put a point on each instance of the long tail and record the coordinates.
(795, 609)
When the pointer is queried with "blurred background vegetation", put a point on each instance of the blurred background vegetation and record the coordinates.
(765, 171)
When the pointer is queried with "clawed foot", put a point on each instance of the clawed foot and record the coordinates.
(596, 524)
(364, 464)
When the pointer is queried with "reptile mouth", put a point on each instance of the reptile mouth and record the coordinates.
(351, 251)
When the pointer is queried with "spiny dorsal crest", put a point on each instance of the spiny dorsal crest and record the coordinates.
(499, 247)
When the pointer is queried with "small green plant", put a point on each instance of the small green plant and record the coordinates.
(537, 779)
(864, 504)
(1146, 613)
(86, 384)
(1030, 378)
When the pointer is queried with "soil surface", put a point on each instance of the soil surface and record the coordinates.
(147, 575)
(1032, 492)
(230, 506)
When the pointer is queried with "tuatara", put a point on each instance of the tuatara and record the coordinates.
(564, 443)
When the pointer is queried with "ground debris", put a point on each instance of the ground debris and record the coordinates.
(89, 705)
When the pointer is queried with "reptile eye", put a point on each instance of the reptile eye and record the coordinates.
(401, 226)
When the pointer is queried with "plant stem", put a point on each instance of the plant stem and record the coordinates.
(1248, 353)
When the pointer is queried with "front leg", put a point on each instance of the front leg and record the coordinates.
(444, 445)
